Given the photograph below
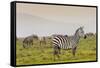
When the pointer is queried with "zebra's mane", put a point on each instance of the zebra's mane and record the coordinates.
(78, 30)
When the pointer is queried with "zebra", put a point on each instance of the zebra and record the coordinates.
(42, 43)
(65, 42)
(28, 41)
(42, 40)
(89, 35)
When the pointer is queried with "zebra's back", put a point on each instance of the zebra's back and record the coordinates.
(62, 41)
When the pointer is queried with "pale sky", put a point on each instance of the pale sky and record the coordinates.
(45, 20)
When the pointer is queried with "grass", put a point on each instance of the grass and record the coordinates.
(86, 51)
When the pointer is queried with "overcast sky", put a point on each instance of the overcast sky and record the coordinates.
(45, 20)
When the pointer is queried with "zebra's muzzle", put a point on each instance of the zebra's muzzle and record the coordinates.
(85, 37)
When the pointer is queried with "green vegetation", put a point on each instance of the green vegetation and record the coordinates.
(36, 54)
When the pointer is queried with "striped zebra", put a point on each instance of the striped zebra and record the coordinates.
(66, 42)
(29, 41)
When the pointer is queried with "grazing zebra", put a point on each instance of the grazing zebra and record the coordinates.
(66, 42)
(43, 40)
(28, 41)
(89, 35)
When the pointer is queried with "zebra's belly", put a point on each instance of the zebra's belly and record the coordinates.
(66, 47)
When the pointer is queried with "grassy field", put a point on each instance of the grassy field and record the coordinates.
(86, 51)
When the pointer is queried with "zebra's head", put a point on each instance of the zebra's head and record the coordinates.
(80, 32)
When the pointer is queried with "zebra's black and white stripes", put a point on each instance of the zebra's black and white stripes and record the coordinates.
(66, 42)
(62, 41)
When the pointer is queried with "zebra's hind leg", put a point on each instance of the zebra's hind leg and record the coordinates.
(56, 52)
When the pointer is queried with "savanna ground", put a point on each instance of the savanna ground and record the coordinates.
(86, 51)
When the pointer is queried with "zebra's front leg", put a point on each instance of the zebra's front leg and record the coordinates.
(74, 51)
(57, 51)
(31, 44)
(56, 54)
(24, 45)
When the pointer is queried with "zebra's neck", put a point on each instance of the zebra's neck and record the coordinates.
(76, 38)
